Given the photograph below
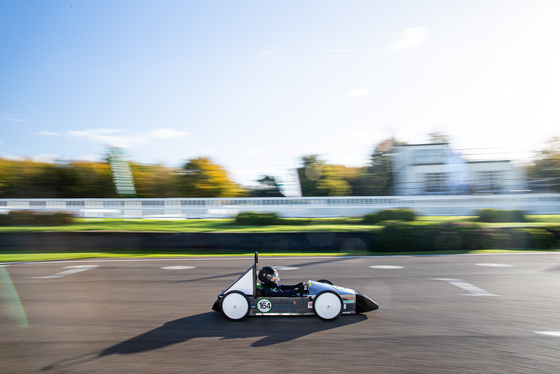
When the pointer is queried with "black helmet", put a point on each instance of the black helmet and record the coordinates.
(269, 276)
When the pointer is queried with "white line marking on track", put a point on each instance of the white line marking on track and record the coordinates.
(177, 267)
(474, 290)
(244, 258)
(80, 267)
(386, 267)
(549, 333)
(73, 270)
(496, 265)
(286, 268)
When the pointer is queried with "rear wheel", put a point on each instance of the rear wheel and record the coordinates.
(327, 305)
(235, 306)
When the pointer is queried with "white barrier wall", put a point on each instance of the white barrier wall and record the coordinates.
(189, 208)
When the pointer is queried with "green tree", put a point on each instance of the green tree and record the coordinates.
(544, 173)
(200, 177)
(310, 174)
(320, 179)
(267, 188)
(439, 137)
(377, 178)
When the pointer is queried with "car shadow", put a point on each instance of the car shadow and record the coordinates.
(273, 330)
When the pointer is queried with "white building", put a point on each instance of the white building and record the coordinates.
(429, 169)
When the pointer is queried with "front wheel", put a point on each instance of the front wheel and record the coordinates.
(235, 306)
(327, 305)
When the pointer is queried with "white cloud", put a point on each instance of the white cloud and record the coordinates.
(11, 119)
(45, 157)
(48, 133)
(411, 37)
(358, 92)
(12, 157)
(337, 50)
(208, 151)
(91, 157)
(104, 131)
(167, 133)
(104, 136)
(257, 151)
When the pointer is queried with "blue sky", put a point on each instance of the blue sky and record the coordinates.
(255, 85)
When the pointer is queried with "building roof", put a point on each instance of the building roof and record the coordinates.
(422, 145)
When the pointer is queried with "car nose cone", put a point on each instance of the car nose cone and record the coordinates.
(364, 303)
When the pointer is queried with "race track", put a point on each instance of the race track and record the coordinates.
(439, 314)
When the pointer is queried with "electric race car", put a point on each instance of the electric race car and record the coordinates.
(321, 298)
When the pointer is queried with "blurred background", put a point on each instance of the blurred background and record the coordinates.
(229, 99)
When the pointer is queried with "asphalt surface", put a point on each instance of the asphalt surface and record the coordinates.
(438, 314)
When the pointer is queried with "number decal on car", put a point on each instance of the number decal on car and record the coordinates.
(264, 305)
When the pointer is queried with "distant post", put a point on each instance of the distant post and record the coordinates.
(122, 175)
(288, 183)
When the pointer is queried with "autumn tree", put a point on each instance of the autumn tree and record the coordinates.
(81, 178)
(155, 181)
(26, 179)
(200, 177)
(30, 179)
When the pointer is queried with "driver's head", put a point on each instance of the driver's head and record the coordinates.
(269, 276)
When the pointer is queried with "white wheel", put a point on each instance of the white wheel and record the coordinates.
(235, 306)
(327, 305)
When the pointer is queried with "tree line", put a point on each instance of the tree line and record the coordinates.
(201, 177)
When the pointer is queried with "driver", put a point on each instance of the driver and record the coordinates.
(269, 284)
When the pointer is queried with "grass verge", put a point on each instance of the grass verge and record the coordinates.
(29, 256)
(228, 225)
(200, 225)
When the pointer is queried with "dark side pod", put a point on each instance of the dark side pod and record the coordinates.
(216, 306)
(364, 303)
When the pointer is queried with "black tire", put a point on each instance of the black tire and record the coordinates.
(327, 305)
(235, 306)
(326, 281)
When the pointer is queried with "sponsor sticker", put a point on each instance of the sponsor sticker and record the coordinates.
(264, 305)
(310, 305)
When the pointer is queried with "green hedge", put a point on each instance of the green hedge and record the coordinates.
(406, 237)
(269, 218)
(34, 218)
(257, 219)
(493, 215)
(403, 236)
(390, 215)
(534, 238)
(492, 238)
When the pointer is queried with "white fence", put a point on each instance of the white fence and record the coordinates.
(190, 208)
